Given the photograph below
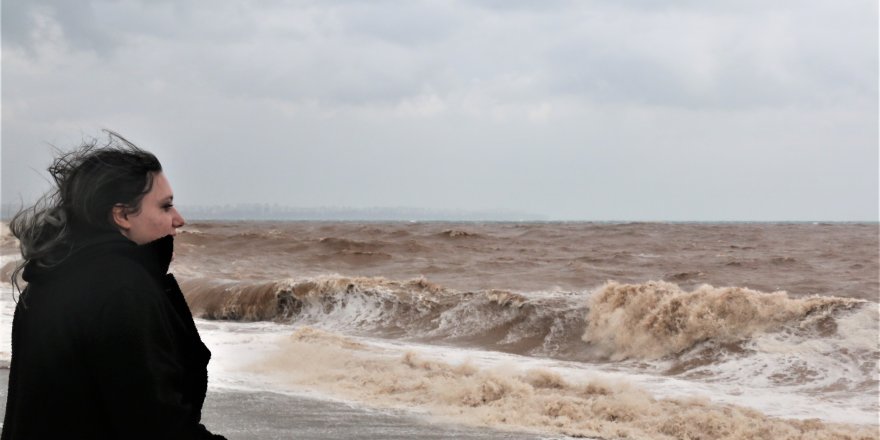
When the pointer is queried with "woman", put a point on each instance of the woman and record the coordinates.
(103, 343)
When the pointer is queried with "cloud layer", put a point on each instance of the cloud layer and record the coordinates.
(573, 110)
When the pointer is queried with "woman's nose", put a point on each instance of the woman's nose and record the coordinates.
(178, 220)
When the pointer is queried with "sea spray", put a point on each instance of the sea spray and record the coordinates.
(657, 319)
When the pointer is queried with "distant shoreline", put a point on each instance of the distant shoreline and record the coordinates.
(549, 222)
(273, 212)
(191, 219)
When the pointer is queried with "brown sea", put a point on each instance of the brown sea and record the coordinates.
(532, 330)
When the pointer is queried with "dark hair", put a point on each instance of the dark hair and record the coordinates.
(89, 181)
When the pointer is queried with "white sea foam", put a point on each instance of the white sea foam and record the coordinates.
(237, 346)
(493, 389)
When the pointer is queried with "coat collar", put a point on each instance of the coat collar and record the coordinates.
(155, 256)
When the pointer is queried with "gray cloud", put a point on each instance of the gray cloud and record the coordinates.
(26, 22)
(701, 110)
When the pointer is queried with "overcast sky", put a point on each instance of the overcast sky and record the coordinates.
(591, 110)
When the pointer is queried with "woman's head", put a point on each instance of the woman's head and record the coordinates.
(155, 216)
(99, 188)
(93, 180)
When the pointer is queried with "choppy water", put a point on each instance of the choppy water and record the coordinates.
(644, 330)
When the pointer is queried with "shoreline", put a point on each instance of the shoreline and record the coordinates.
(241, 415)
(267, 415)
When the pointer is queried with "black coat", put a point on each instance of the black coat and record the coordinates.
(104, 347)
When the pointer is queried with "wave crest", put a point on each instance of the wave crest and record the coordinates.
(655, 319)
(415, 309)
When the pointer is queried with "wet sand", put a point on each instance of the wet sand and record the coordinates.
(270, 416)
(265, 416)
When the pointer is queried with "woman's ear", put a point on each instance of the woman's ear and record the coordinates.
(120, 217)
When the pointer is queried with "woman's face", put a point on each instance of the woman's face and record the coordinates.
(156, 218)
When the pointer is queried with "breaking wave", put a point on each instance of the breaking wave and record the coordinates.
(657, 319)
(617, 321)
(414, 310)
